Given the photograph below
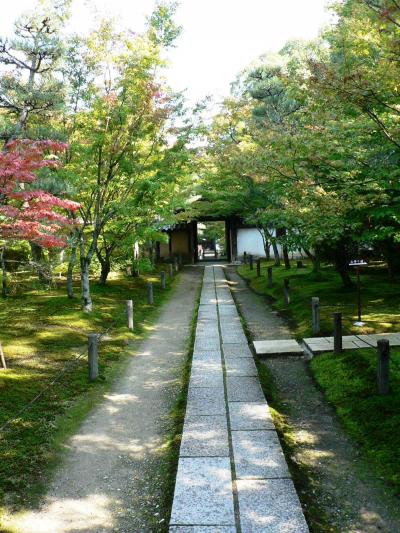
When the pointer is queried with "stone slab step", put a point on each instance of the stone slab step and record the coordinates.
(278, 347)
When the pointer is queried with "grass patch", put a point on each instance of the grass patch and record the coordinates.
(42, 331)
(381, 302)
(373, 421)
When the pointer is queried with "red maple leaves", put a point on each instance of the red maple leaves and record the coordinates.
(26, 213)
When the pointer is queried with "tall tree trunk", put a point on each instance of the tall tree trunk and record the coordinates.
(281, 232)
(105, 263)
(85, 261)
(315, 260)
(4, 273)
(286, 259)
(391, 252)
(39, 261)
(276, 254)
(341, 263)
(70, 272)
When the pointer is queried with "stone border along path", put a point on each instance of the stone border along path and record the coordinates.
(232, 475)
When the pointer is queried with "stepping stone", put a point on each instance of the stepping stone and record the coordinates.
(206, 373)
(244, 389)
(205, 401)
(233, 338)
(250, 416)
(205, 436)
(236, 350)
(270, 505)
(203, 492)
(227, 310)
(243, 366)
(207, 355)
(349, 342)
(202, 344)
(319, 344)
(202, 529)
(372, 340)
(258, 455)
(278, 347)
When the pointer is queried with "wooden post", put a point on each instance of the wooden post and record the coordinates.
(150, 294)
(176, 264)
(300, 264)
(180, 259)
(383, 366)
(129, 313)
(270, 283)
(251, 261)
(286, 293)
(245, 258)
(171, 271)
(163, 279)
(315, 315)
(258, 268)
(2, 358)
(93, 357)
(337, 333)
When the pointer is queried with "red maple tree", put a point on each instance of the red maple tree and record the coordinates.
(27, 213)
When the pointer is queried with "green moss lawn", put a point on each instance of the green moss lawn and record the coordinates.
(42, 331)
(373, 421)
(380, 297)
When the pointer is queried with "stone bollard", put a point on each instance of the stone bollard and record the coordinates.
(150, 294)
(171, 271)
(93, 357)
(163, 279)
(176, 264)
(245, 258)
(383, 366)
(315, 315)
(129, 313)
(251, 262)
(269, 273)
(337, 333)
(286, 292)
(258, 264)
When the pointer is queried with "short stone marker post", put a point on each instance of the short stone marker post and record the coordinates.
(93, 357)
(258, 268)
(251, 262)
(337, 333)
(383, 366)
(171, 271)
(315, 315)
(245, 258)
(180, 260)
(286, 292)
(163, 279)
(129, 313)
(269, 273)
(150, 294)
(176, 264)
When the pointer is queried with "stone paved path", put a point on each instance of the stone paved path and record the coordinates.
(232, 475)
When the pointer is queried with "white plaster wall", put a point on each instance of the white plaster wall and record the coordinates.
(249, 240)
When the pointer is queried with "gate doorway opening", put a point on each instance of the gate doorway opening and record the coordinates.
(211, 241)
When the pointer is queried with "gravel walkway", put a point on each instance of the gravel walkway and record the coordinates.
(111, 479)
(351, 498)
